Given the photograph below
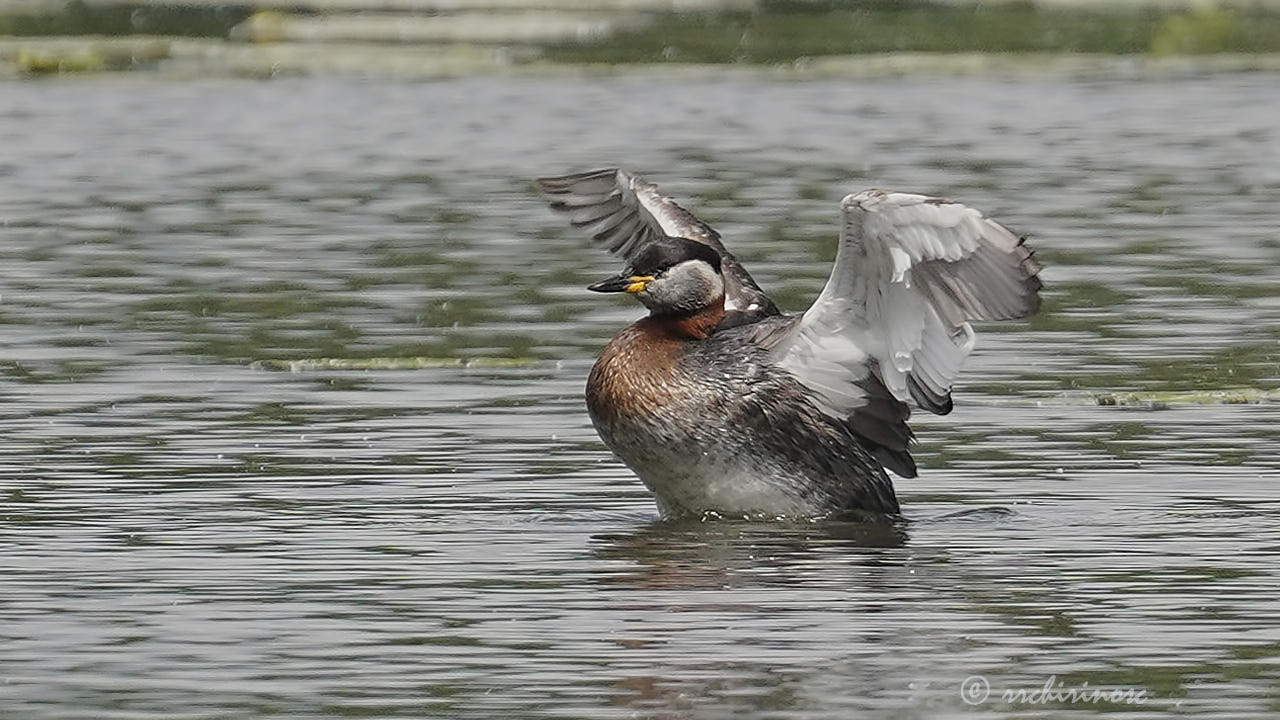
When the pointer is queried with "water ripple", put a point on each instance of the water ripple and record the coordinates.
(188, 535)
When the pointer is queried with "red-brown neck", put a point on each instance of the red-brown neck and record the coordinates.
(695, 326)
(635, 373)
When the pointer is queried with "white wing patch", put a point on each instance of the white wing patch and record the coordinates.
(911, 272)
(673, 219)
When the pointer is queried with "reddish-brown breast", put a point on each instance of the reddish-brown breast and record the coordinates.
(635, 373)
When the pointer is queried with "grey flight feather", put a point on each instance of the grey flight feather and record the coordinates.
(624, 213)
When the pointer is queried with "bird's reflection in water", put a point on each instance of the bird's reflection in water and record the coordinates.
(720, 553)
(688, 579)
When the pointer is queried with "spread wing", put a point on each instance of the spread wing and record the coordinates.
(624, 213)
(910, 273)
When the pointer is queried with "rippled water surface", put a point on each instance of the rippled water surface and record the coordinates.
(186, 532)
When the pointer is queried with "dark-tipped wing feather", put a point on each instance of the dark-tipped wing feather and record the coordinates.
(860, 400)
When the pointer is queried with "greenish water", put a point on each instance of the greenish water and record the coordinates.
(776, 32)
(124, 18)
(796, 32)
(190, 532)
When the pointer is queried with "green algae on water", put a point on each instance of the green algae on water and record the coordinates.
(393, 363)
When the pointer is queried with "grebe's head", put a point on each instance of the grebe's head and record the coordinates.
(672, 276)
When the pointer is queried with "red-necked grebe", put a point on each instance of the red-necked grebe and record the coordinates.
(721, 404)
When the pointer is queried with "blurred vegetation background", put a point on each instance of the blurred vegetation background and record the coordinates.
(452, 36)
